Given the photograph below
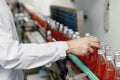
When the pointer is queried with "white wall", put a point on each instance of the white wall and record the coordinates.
(43, 6)
(95, 23)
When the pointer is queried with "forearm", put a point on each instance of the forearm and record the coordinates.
(27, 56)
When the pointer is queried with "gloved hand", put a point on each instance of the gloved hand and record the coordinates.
(83, 46)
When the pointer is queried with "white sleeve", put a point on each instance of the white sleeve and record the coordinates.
(14, 55)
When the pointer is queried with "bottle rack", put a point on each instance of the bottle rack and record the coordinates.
(72, 18)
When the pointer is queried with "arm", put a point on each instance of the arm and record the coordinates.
(26, 56)
(14, 55)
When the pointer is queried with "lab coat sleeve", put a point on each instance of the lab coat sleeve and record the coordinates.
(14, 55)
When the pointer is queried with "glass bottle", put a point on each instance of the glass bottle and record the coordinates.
(49, 37)
(70, 33)
(53, 28)
(61, 34)
(117, 65)
(100, 66)
(85, 59)
(56, 30)
(110, 67)
(65, 33)
(93, 58)
(102, 46)
(108, 50)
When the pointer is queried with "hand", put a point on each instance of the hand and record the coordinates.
(83, 46)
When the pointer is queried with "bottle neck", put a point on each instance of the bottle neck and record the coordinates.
(109, 53)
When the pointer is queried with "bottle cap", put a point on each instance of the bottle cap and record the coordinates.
(48, 32)
(87, 34)
(65, 30)
(57, 23)
(70, 33)
(65, 27)
(77, 33)
(61, 27)
(74, 36)
(70, 30)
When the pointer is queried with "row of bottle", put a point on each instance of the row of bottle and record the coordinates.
(102, 62)
(108, 64)
(56, 31)
(60, 32)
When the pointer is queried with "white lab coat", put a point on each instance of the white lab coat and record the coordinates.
(15, 56)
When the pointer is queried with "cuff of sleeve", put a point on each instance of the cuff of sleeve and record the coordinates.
(62, 48)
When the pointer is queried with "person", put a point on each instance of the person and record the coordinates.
(15, 56)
